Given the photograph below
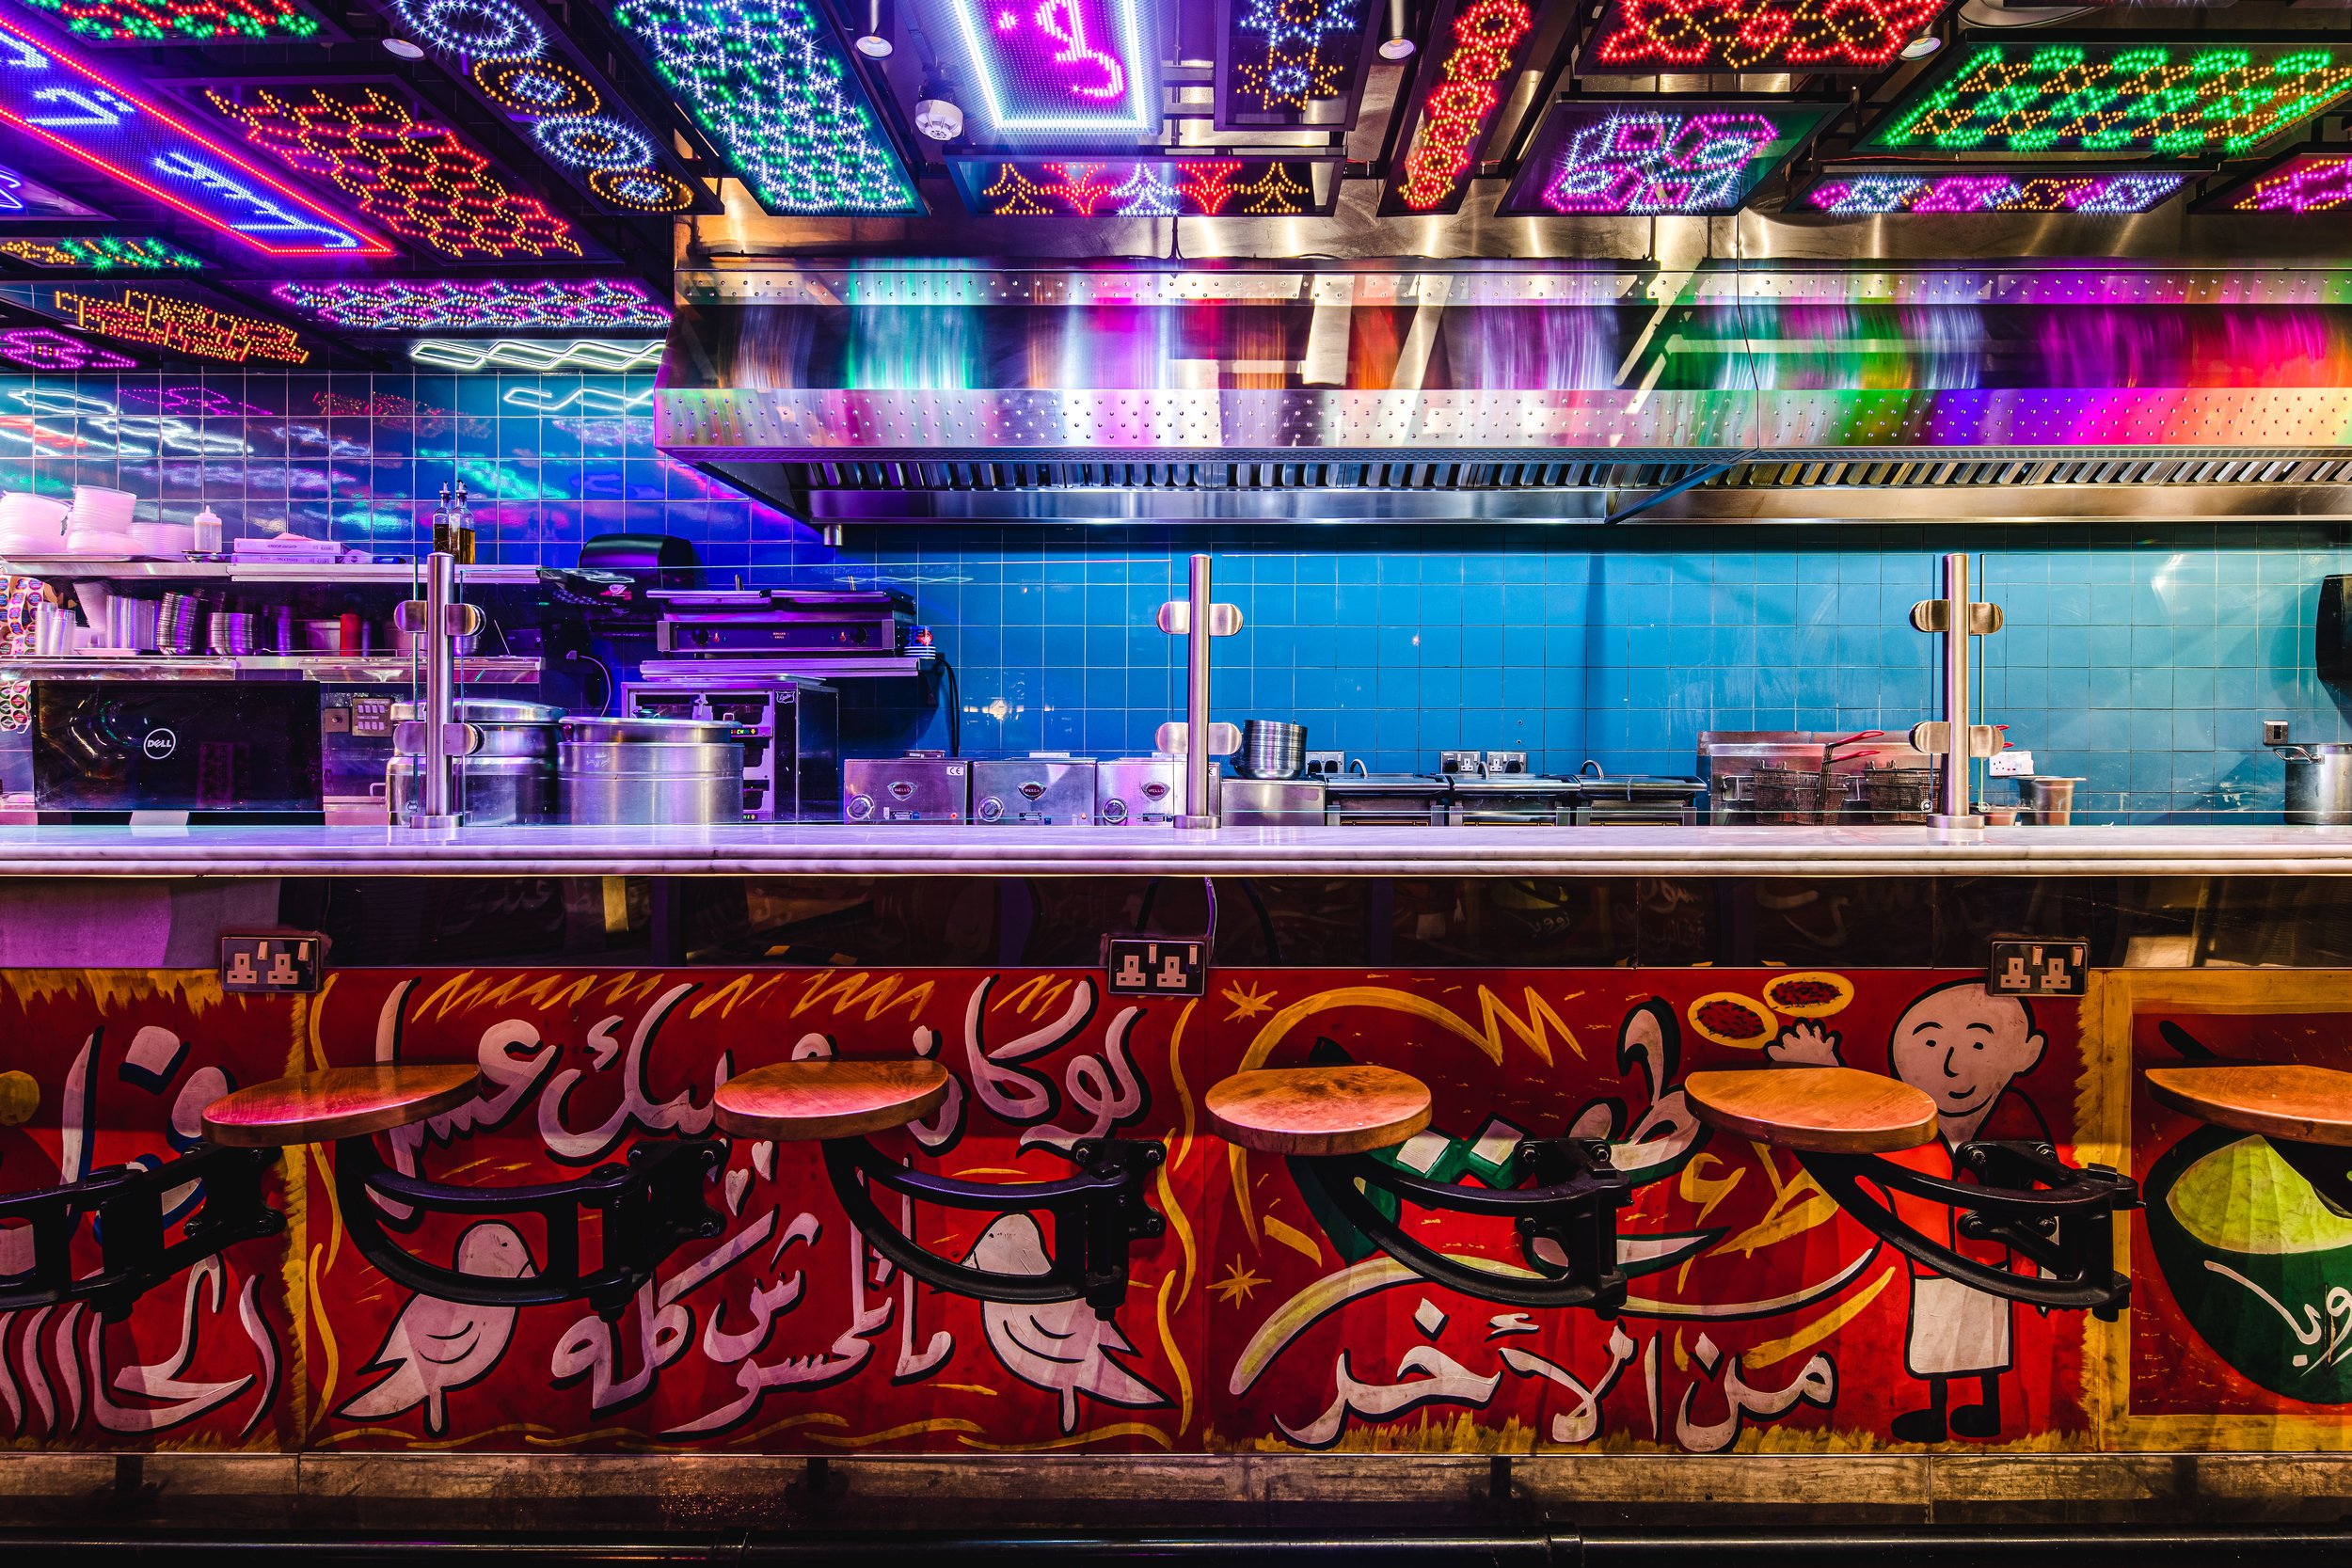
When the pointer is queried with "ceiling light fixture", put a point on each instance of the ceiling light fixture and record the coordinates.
(1398, 45)
(403, 49)
(936, 115)
(1921, 47)
(874, 44)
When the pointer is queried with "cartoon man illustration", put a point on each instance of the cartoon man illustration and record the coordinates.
(1963, 1048)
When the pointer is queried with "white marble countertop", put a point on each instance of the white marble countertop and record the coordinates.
(1348, 852)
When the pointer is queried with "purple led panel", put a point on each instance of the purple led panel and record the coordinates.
(44, 348)
(1875, 190)
(1075, 70)
(24, 197)
(2296, 184)
(1294, 64)
(1648, 157)
(431, 305)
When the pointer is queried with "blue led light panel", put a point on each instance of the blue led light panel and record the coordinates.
(768, 82)
(1638, 157)
(1076, 70)
(84, 114)
(22, 197)
(2175, 99)
(1293, 64)
(1844, 190)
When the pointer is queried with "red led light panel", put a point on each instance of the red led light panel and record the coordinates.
(1757, 35)
(1473, 55)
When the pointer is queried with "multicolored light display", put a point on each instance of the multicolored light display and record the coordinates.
(1059, 68)
(1476, 51)
(1757, 35)
(591, 304)
(84, 114)
(2299, 184)
(183, 21)
(1649, 156)
(1146, 188)
(410, 176)
(1285, 64)
(2172, 100)
(101, 253)
(185, 326)
(767, 82)
(1870, 192)
(530, 74)
(600, 356)
(22, 197)
(41, 348)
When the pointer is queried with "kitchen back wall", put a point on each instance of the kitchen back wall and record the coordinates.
(2143, 661)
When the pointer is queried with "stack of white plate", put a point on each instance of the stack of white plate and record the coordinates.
(30, 524)
(100, 524)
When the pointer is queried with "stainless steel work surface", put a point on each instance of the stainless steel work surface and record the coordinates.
(922, 849)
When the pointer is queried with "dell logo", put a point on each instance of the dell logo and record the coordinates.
(159, 743)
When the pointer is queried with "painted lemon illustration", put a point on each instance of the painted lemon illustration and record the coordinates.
(1808, 994)
(2261, 1266)
(1728, 1017)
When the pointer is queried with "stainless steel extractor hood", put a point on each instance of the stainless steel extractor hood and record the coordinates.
(893, 391)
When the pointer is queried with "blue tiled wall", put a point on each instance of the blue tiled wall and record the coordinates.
(2141, 660)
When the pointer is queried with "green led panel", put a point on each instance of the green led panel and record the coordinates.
(2168, 100)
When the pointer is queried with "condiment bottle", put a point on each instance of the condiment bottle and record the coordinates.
(207, 533)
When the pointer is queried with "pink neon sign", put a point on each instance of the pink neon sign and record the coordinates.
(1061, 65)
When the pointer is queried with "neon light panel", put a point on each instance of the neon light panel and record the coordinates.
(2304, 183)
(1644, 157)
(598, 356)
(1060, 66)
(41, 348)
(84, 114)
(410, 176)
(1758, 35)
(183, 21)
(183, 325)
(1292, 62)
(1859, 193)
(1144, 187)
(1475, 47)
(2174, 100)
(594, 305)
(24, 197)
(766, 81)
(101, 253)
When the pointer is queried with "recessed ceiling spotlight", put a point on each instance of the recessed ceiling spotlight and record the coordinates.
(937, 117)
(874, 43)
(1922, 46)
(1398, 45)
(404, 49)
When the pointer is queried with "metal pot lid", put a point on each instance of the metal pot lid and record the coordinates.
(703, 732)
(485, 710)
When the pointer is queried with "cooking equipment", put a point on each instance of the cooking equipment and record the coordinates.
(1271, 750)
(491, 791)
(1781, 795)
(1386, 800)
(117, 747)
(780, 622)
(1270, 802)
(1526, 799)
(789, 728)
(1045, 788)
(1900, 794)
(669, 772)
(1728, 761)
(1142, 791)
(1634, 800)
(920, 786)
(508, 728)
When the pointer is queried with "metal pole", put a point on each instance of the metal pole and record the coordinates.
(1197, 762)
(1952, 797)
(441, 691)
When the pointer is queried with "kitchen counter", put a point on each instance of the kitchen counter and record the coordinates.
(1351, 851)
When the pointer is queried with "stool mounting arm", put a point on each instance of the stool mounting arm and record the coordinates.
(128, 1204)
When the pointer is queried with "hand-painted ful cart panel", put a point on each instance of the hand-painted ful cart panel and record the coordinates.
(1759, 1314)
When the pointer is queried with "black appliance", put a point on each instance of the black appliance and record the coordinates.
(655, 559)
(227, 750)
(2332, 639)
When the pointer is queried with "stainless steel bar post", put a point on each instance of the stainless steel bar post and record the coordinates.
(1960, 620)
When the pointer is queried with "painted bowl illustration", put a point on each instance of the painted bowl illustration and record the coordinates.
(2261, 1265)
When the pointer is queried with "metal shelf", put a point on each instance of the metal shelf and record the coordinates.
(393, 574)
(327, 669)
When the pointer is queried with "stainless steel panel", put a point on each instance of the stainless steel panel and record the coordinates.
(1035, 791)
(1142, 791)
(906, 789)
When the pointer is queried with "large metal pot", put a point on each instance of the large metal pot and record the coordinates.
(2319, 782)
(649, 782)
(508, 728)
(493, 791)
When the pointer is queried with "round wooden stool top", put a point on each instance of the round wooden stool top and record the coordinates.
(340, 1103)
(796, 1102)
(1319, 1110)
(2300, 1105)
(1819, 1110)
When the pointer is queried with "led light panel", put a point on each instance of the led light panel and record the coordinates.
(41, 348)
(1475, 52)
(1638, 157)
(1293, 64)
(184, 21)
(1065, 68)
(24, 197)
(1146, 188)
(410, 176)
(594, 305)
(193, 327)
(101, 253)
(542, 356)
(2169, 98)
(2297, 183)
(83, 114)
(1755, 34)
(1871, 192)
(766, 81)
(532, 76)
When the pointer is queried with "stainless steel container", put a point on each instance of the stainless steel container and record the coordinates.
(1271, 803)
(509, 729)
(2319, 778)
(492, 791)
(2054, 798)
(649, 772)
(1045, 790)
(1142, 791)
(921, 787)
(1271, 750)
(634, 731)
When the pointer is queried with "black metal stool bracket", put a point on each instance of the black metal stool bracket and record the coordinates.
(136, 1252)
(651, 1204)
(1572, 1202)
(2057, 1216)
(1098, 1214)
(2327, 1166)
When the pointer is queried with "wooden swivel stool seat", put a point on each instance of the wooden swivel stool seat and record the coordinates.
(2304, 1111)
(1099, 1213)
(1840, 1123)
(650, 1205)
(1331, 1123)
